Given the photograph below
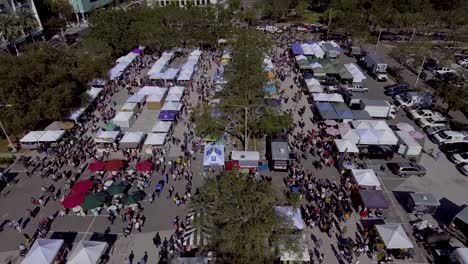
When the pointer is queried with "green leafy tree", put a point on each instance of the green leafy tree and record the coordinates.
(302, 7)
(237, 213)
(275, 9)
(206, 123)
(455, 97)
(9, 29)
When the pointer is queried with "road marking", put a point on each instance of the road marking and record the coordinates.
(89, 227)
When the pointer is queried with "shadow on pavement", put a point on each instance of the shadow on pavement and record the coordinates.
(68, 237)
(446, 211)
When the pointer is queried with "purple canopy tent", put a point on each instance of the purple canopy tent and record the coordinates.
(137, 51)
(167, 115)
(296, 48)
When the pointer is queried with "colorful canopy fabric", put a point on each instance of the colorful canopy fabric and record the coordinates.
(83, 186)
(97, 166)
(145, 165)
(134, 197)
(117, 188)
(114, 165)
(73, 199)
(167, 115)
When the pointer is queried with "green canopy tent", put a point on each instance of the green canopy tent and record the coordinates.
(117, 188)
(329, 68)
(111, 127)
(94, 200)
(134, 198)
(344, 73)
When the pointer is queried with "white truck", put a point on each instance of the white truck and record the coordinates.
(378, 108)
(356, 87)
(407, 145)
(376, 67)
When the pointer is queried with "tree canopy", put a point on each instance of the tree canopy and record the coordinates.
(239, 217)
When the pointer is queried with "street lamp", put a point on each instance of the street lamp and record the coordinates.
(4, 130)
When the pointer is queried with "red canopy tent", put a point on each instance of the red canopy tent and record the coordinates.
(97, 166)
(114, 165)
(145, 165)
(73, 199)
(83, 186)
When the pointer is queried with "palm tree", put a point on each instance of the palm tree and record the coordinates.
(26, 21)
(9, 29)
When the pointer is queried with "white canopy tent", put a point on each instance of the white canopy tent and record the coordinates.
(247, 159)
(292, 214)
(175, 94)
(394, 236)
(302, 255)
(149, 90)
(324, 97)
(313, 49)
(379, 124)
(361, 124)
(127, 58)
(87, 252)
(137, 98)
(365, 177)
(92, 94)
(386, 137)
(344, 145)
(357, 74)
(172, 106)
(213, 155)
(314, 85)
(32, 137)
(52, 136)
(155, 139)
(155, 98)
(43, 251)
(349, 134)
(124, 119)
(131, 140)
(106, 136)
(162, 126)
(460, 255)
(367, 136)
(161, 63)
(118, 69)
(129, 107)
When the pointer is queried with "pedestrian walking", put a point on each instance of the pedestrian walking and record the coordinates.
(157, 240)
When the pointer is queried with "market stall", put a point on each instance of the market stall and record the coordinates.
(279, 153)
(394, 236)
(365, 178)
(149, 90)
(155, 139)
(130, 107)
(87, 252)
(91, 95)
(213, 155)
(31, 139)
(349, 134)
(175, 94)
(357, 75)
(422, 203)
(162, 126)
(168, 115)
(131, 140)
(44, 251)
(313, 85)
(407, 145)
(367, 136)
(325, 97)
(137, 98)
(124, 119)
(326, 111)
(51, 136)
(345, 145)
(106, 136)
(171, 106)
(372, 202)
(246, 159)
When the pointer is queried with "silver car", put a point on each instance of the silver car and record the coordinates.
(405, 169)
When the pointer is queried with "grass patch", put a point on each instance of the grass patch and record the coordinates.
(3, 146)
(311, 17)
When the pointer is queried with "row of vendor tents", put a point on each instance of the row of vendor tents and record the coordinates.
(45, 251)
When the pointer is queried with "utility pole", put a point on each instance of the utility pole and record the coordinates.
(412, 36)
(329, 21)
(4, 130)
(245, 132)
(378, 40)
(419, 73)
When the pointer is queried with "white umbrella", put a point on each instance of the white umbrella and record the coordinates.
(405, 127)
(332, 131)
(330, 123)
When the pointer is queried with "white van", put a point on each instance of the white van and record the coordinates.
(449, 136)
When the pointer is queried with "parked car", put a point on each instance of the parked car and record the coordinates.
(454, 147)
(463, 168)
(449, 136)
(376, 152)
(397, 85)
(434, 121)
(463, 62)
(434, 130)
(442, 70)
(416, 114)
(459, 158)
(392, 91)
(356, 88)
(405, 169)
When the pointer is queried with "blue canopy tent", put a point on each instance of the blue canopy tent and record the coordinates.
(296, 48)
(343, 111)
(326, 110)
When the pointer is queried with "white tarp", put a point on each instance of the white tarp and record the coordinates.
(172, 106)
(314, 85)
(127, 58)
(132, 138)
(187, 70)
(106, 136)
(161, 63)
(324, 97)
(32, 137)
(43, 251)
(162, 126)
(155, 139)
(52, 136)
(291, 214)
(344, 145)
(313, 49)
(87, 252)
(394, 236)
(357, 74)
(386, 137)
(367, 136)
(349, 134)
(365, 177)
(213, 155)
(136, 98)
(149, 90)
(129, 107)
(118, 69)
(124, 119)
(175, 94)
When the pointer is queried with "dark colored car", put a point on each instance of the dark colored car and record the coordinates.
(396, 90)
(405, 169)
(454, 148)
(396, 86)
(376, 152)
